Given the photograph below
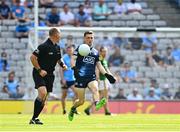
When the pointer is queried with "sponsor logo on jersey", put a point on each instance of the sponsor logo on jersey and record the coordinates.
(50, 53)
(89, 59)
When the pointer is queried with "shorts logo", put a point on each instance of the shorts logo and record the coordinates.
(89, 59)
(80, 84)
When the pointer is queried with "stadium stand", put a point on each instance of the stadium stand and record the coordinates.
(167, 10)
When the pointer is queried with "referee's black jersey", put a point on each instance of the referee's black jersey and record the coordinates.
(48, 54)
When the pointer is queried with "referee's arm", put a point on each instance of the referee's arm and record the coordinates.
(35, 63)
(61, 63)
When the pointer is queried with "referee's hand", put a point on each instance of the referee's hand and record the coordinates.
(43, 73)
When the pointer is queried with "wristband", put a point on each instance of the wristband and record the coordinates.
(61, 64)
(39, 70)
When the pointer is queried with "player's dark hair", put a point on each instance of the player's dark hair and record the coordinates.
(66, 4)
(133, 1)
(101, 48)
(17, 1)
(70, 46)
(168, 48)
(53, 31)
(81, 5)
(88, 32)
(11, 73)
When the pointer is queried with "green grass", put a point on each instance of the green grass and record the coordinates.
(93, 123)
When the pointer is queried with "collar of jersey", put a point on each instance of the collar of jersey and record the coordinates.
(51, 42)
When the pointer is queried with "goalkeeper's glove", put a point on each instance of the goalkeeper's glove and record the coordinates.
(110, 78)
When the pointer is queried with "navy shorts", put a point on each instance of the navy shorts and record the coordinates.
(68, 84)
(83, 82)
(46, 81)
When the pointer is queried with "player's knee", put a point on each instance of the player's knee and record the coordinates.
(81, 102)
(64, 95)
(101, 95)
(95, 91)
(63, 98)
(76, 94)
(43, 94)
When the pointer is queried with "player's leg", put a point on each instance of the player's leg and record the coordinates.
(87, 110)
(81, 97)
(75, 96)
(78, 102)
(106, 106)
(104, 93)
(93, 86)
(63, 99)
(101, 94)
(39, 104)
(75, 93)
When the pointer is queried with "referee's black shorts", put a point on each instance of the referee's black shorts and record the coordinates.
(46, 81)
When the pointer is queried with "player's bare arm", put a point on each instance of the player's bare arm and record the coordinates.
(100, 67)
(108, 71)
(35, 63)
(97, 73)
(104, 72)
(73, 60)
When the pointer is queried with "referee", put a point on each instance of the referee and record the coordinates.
(44, 60)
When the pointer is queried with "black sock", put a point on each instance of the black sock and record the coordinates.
(73, 108)
(88, 108)
(106, 111)
(38, 106)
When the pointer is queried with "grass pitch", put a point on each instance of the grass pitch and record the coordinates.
(93, 123)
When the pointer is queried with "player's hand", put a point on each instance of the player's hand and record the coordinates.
(110, 78)
(64, 67)
(43, 73)
(63, 82)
